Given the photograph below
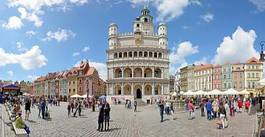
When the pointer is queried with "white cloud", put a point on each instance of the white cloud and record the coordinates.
(101, 68)
(20, 47)
(31, 33)
(10, 73)
(76, 54)
(85, 49)
(179, 54)
(59, 35)
(260, 4)
(208, 17)
(32, 77)
(203, 60)
(14, 22)
(79, 2)
(238, 48)
(32, 17)
(168, 9)
(31, 10)
(28, 60)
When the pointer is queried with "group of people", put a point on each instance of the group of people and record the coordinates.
(165, 107)
(74, 106)
(218, 107)
(128, 104)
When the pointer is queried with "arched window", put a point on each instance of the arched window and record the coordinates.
(150, 54)
(148, 72)
(115, 55)
(145, 20)
(140, 54)
(137, 72)
(125, 54)
(155, 55)
(160, 55)
(148, 90)
(118, 73)
(127, 73)
(130, 54)
(135, 54)
(157, 73)
(145, 54)
(120, 55)
(117, 90)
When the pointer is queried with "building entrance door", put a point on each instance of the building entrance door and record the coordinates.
(138, 93)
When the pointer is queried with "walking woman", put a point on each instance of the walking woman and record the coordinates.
(100, 117)
(27, 109)
(223, 117)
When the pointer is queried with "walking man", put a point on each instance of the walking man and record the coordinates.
(135, 106)
(27, 109)
(161, 107)
(106, 115)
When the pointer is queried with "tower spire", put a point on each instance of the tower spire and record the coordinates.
(146, 5)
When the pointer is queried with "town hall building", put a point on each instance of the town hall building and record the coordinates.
(138, 61)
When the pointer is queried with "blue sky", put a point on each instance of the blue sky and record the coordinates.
(48, 36)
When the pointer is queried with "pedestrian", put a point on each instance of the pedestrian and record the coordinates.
(69, 109)
(231, 107)
(215, 108)
(27, 109)
(106, 115)
(223, 116)
(191, 110)
(247, 104)
(161, 107)
(100, 117)
(72, 106)
(167, 108)
(240, 105)
(43, 107)
(209, 109)
(202, 108)
(39, 108)
(79, 107)
(135, 106)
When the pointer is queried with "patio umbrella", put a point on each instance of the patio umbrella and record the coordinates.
(76, 96)
(244, 92)
(102, 97)
(231, 91)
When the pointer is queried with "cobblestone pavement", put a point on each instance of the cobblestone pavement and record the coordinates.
(144, 123)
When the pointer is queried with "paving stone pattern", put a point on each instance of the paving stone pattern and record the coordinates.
(144, 123)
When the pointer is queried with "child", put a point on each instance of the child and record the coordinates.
(20, 123)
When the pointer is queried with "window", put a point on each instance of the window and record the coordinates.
(137, 25)
(74, 90)
(229, 85)
(224, 85)
(125, 54)
(73, 82)
(140, 54)
(160, 55)
(69, 83)
(145, 20)
(257, 75)
(241, 74)
(248, 84)
(248, 75)
(130, 54)
(252, 66)
(240, 84)
(69, 90)
(80, 81)
(145, 54)
(253, 75)
(155, 55)
(135, 54)
(120, 55)
(115, 55)
(253, 85)
(224, 76)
